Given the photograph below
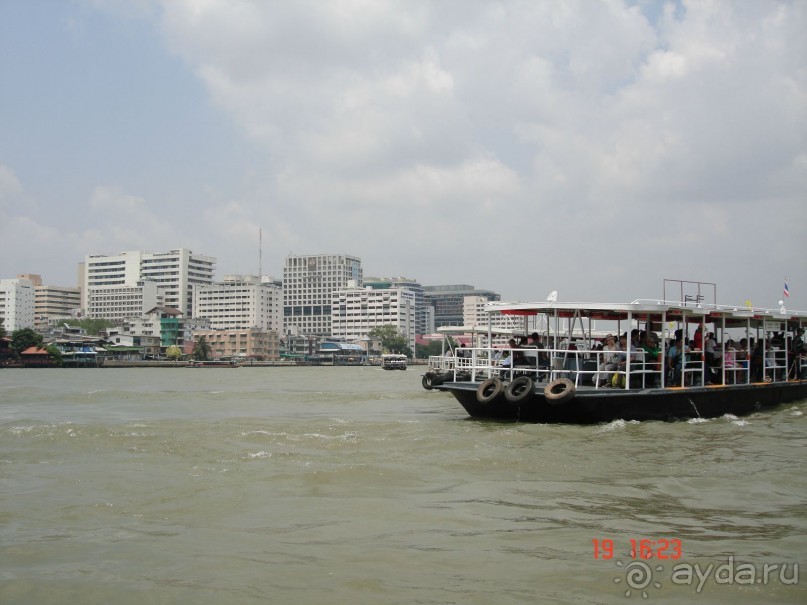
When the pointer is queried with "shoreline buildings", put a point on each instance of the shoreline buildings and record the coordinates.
(356, 311)
(240, 301)
(128, 277)
(309, 282)
(321, 297)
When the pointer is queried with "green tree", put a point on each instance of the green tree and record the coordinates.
(2, 329)
(23, 338)
(392, 341)
(54, 352)
(173, 352)
(201, 350)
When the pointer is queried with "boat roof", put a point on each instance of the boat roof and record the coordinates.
(483, 329)
(643, 309)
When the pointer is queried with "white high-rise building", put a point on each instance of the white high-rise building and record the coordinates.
(308, 286)
(17, 304)
(423, 312)
(176, 273)
(240, 301)
(52, 303)
(117, 303)
(356, 311)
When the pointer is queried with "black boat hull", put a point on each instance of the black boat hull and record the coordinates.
(591, 406)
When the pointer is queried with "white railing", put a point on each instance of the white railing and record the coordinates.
(598, 368)
(775, 367)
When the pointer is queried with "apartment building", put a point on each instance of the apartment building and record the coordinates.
(165, 322)
(423, 315)
(117, 303)
(17, 304)
(175, 272)
(52, 303)
(254, 343)
(356, 311)
(309, 282)
(240, 301)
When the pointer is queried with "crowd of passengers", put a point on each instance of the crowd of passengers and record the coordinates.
(613, 354)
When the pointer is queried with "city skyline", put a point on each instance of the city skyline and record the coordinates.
(588, 148)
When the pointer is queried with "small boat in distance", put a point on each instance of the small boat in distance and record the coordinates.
(566, 374)
(393, 361)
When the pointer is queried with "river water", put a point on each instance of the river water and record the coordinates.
(318, 485)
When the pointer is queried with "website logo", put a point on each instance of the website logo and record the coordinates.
(641, 578)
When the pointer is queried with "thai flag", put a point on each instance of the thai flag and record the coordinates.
(787, 290)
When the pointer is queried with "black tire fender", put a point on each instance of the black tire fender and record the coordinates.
(489, 390)
(519, 390)
(559, 391)
(428, 381)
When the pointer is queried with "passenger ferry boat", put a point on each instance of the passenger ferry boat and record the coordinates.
(392, 361)
(571, 379)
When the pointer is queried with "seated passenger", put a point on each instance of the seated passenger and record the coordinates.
(626, 350)
(675, 360)
(519, 358)
(653, 355)
(730, 361)
(537, 343)
(610, 361)
(505, 363)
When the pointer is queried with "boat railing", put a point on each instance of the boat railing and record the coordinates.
(775, 367)
(735, 367)
(441, 363)
(546, 365)
(599, 368)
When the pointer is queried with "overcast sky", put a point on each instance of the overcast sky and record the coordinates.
(593, 148)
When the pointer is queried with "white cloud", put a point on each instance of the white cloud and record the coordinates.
(518, 134)
(472, 118)
(10, 187)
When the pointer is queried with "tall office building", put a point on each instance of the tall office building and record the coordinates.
(52, 303)
(448, 302)
(175, 273)
(240, 301)
(356, 311)
(117, 303)
(16, 304)
(422, 325)
(309, 282)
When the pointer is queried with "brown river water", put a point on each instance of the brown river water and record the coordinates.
(319, 485)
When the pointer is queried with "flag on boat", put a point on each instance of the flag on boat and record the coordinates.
(787, 290)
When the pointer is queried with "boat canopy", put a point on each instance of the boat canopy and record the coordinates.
(477, 330)
(646, 309)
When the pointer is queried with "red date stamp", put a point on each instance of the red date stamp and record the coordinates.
(641, 548)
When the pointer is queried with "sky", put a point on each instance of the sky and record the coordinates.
(593, 148)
